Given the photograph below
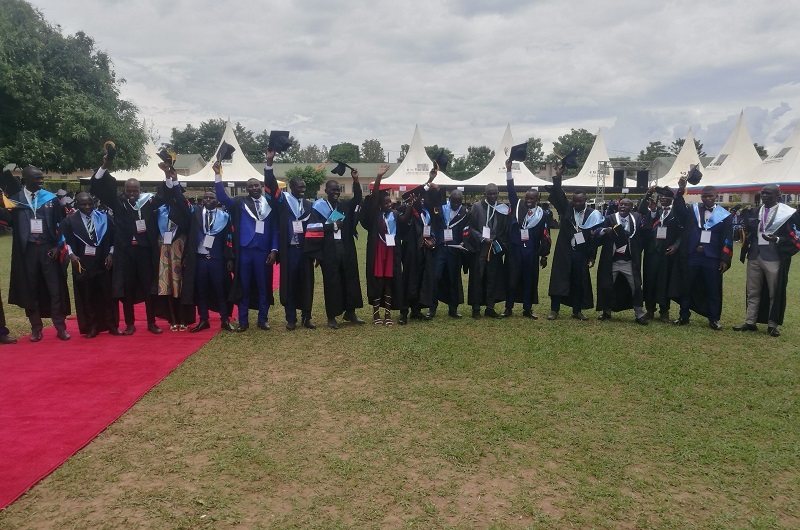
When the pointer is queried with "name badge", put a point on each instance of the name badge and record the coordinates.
(337, 234)
(426, 231)
(579, 239)
(661, 232)
(389, 240)
(208, 241)
(168, 238)
(89, 250)
(761, 240)
(141, 226)
(297, 227)
(448, 234)
(523, 234)
(705, 236)
(259, 227)
(36, 226)
(486, 233)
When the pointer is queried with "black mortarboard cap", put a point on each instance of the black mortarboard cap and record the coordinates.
(440, 161)
(694, 176)
(415, 192)
(665, 191)
(570, 160)
(519, 153)
(111, 150)
(9, 183)
(167, 157)
(225, 151)
(340, 167)
(279, 141)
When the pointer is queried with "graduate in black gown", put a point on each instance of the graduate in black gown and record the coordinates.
(89, 235)
(38, 279)
(336, 221)
(488, 230)
(529, 246)
(418, 250)
(661, 239)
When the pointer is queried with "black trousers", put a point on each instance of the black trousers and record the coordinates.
(44, 273)
(138, 266)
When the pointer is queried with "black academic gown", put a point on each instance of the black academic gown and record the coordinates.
(518, 260)
(339, 259)
(487, 275)
(278, 201)
(561, 264)
(660, 272)
(372, 221)
(617, 296)
(418, 261)
(788, 246)
(92, 283)
(450, 288)
(20, 292)
(224, 238)
(125, 217)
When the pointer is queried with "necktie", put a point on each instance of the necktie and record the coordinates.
(257, 202)
(209, 221)
(90, 228)
(666, 212)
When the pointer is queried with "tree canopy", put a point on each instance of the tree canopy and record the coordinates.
(314, 178)
(372, 151)
(345, 152)
(580, 138)
(59, 97)
(652, 151)
(676, 146)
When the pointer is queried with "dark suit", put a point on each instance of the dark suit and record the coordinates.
(448, 258)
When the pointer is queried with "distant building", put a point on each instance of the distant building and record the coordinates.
(189, 164)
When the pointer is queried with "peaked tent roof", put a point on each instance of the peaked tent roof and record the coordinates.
(686, 157)
(415, 168)
(587, 176)
(495, 171)
(237, 169)
(736, 161)
(149, 172)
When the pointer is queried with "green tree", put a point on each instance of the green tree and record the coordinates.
(313, 153)
(433, 150)
(580, 138)
(59, 97)
(761, 150)
(345, 152)
(403, 152)
(652, 151)
(478, 157)
(372, 151)
(676, 146)
(314, 178)
(534, 155)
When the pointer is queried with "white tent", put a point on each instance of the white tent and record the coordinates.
(414, 170)
(495, 172)
(686, 158)
(783, 167)
(736, 162)
(587, 176)
(149, 172)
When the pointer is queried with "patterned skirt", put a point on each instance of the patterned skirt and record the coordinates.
(170, 267)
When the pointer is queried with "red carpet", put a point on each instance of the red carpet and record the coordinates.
(57, 395)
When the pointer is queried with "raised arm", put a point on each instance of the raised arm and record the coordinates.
(557, 196)
(270, 181)
(104, 187)
(512, 191)
(219, 188)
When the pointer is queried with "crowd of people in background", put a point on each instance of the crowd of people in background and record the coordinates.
(183, 257)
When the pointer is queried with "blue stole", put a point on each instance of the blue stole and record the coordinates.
(717, 216)
(323, 208)
(163, 219)
(100, 220)
(595, 218)
(221, 218)
(533, 220)
(391, 223)
(143, 198)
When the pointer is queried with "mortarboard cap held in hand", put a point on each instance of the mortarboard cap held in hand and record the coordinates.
(225, 151)
(279, 141)
(694, 175)
(440, 161)
(110, 149)
(340, 167)
(518, 153)
(570, 160)
(665, 191)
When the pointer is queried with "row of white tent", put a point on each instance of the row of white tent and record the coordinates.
(737, 168)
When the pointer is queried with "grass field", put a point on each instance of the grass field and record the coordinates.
(451, 424)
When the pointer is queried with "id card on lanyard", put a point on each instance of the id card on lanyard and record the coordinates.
(523, 234)
(579, 239)
(89, 250)
(141, 226)
(487, 234)
(426, 231)
(389, 240)
(259, 227)
(661, 232)
(705, 236)
(208, 241)
(36, 226)
(297, 227)
(448, 234)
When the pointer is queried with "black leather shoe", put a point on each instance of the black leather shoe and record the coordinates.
(129, 330)
(476, 314)
(227, 326)
(154, 329)
(453, 314)
(715, 325)
(773, 332)
(308, 324)
(430, 315)
(650, 315)
(604, 316)
(527, 313)
(746, 327)
(402, 319)
(506, 313)
(291, 326)
(665, 317)
(263, 326)
(332, 323)
(63, 335)
(92, 333)
(579, 316)
(681, 321)
(490, 313)
(36, 335)
(115, 331)
(242, 328)
(351, 316)
(642, 321)
(203, 324)
(7, 339)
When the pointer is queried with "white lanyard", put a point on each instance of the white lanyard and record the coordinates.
(490, 213)
(451, 223)
(207, 227)
(35, 205)
(137, 210)
(664, 214)
(265, 209)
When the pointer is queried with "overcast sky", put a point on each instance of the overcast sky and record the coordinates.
(332, 71)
